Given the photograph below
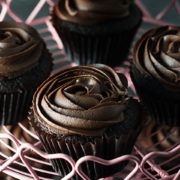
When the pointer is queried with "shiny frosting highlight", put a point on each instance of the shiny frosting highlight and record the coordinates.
(82, 100)
(89, 12)
(157, 54)
(20, 49)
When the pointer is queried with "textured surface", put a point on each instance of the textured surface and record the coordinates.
(155, 14)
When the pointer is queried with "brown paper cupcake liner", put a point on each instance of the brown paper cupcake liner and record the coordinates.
(166, 113)
(14, 106)
(106, 147)
(107, 49)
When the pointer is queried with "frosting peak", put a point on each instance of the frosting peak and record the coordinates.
(83, 100)
(20, 49)
(157, 54)
(89, 12)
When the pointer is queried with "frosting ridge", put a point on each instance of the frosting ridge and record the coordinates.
(82, 100)
(89, 12)
(157, 54)
(20, 49)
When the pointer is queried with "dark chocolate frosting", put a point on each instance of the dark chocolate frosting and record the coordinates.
(20, 49)
(83, 100)
(88, 12)
(157, 54)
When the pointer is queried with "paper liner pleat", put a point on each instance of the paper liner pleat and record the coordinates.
(166, 113)
(104, 147)
(14, 106)
(162, 110)
(107, 49)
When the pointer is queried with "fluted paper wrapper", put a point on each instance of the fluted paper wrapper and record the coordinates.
(161, 103)
(106, 147)
(98, 44)
(107, 49)
(14, 106)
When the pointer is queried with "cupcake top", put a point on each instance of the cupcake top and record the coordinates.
(157, 54)
(89, 12)
(20, 49)
(82, 100)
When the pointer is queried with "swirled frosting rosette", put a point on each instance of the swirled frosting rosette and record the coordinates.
(83, 100)
(157, 54)
(20, 49)
(86, 110)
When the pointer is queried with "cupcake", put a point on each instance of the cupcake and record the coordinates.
(24, 64)
(155, 73)
(96, 31)
(86, 110)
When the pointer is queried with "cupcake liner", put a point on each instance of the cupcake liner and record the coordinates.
(106, 147)
(14, 106)
(106, 43)
(166, 113)
(106, 49)
(162, 104)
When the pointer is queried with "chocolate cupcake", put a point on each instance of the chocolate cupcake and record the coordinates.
(96, 31)
(85, 110)
(156, 73)
(24, 64)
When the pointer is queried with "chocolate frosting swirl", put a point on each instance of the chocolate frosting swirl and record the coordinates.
(157, 54)
(82, 100)
(20, 49)
(88, 12)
